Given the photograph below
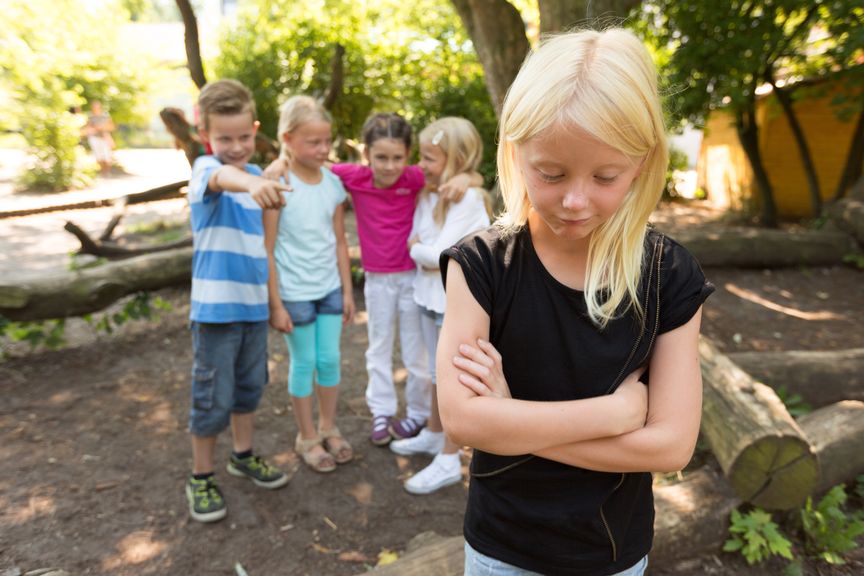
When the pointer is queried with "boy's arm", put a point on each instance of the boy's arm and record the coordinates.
(266, 193)
(506, 426)
(344, 263)
(279, 317)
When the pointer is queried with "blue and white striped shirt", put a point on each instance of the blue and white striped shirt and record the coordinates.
(229, 263)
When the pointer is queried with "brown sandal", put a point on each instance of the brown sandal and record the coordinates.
(321, 462)
(341, 451)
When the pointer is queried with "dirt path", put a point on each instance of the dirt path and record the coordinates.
(95, 450)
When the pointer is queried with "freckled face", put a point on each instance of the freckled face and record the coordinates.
(574, 181)
(387, 157)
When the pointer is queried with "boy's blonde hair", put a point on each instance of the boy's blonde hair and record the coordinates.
(295, 112)
(606, 84)
(462, 146)
(224, 98)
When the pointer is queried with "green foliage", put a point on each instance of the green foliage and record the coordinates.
(677, 161)
(51, 67)
(756, 537)
(859, 486)
(829, 531)
(795, 403)
(856, 259)
(412, 58)
(49, 333)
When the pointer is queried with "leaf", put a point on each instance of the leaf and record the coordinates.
(732, 545)
(386, 557)
(354, 556)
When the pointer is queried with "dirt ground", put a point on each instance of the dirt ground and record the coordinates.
(95, 452)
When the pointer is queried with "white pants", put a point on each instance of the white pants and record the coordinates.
(390, 297)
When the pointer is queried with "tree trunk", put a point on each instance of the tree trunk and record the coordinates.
(337, 78)
(852, 171)
(748, 134)
(73, 293)
(803, 148)
(820, 377)
(836, 434)
(498, 33)
(761, 449)
(559, 15)
(760, 248)
(190, 36)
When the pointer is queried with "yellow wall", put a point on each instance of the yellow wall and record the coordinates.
(725, 173)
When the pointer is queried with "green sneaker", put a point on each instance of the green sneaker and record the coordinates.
(206, 503)
(258, 470)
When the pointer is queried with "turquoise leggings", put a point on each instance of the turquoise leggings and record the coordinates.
(314, 348)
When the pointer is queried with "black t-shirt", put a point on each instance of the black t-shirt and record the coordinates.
(535, 513)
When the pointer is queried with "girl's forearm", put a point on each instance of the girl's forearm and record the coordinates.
(510, 427)
(654, 448)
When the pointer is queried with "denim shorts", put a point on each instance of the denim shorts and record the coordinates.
(477, 564)
(228, 374)
(305, 311)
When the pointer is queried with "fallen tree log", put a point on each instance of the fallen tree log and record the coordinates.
(760, 448)
(173, 190)
(73, 293)
(820, 377)
(836, 433)
(741, 247)
(112, 251)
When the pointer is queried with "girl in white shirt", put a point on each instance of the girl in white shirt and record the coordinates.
(448, 147)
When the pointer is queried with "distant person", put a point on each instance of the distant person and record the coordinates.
(448, 147)
(311, 295)
(98, 132)
(229, 311)
(556, 315)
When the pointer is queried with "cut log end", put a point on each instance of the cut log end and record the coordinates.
(777, 473)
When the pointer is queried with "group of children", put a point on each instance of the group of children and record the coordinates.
(552, 321)
(271, 247)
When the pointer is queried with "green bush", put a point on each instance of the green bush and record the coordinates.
(756, 537)
(47, 74)
(829, 530)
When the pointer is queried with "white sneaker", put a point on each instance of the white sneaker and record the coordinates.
(424, 443)
(437, 475)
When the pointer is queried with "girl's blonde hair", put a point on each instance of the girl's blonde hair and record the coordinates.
(295, 112)
(462, 146)
(606, 84)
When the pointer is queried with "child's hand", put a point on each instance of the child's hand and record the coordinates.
(268, 194)
(348, 308)
(454, 189)
(412, 240)
(277, 169)
(280, 320)
(482, 370)
(634, 400)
